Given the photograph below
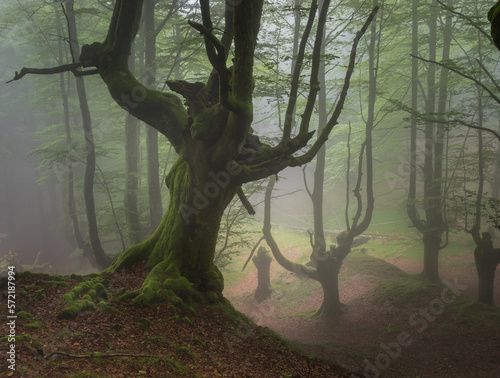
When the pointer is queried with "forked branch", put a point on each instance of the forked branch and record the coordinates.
(266, 230)
(323, 137)
(492, 95)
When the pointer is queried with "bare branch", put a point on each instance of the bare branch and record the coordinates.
(452, 121)
(488, 73)
(216, 53)
(323, 137)
(251, 253)
(347, 180)
(296, 74)
(314, 83)
(311, 239)
(266, 230)
(357, 188)
(245, 202)
(493, 96)
(468, 19)
(46, 71)
(305, 180)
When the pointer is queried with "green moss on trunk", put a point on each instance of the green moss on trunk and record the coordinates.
(180, 253)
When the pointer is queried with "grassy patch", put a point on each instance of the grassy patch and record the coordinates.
(477, 314)
(361, 263)
(401, 291)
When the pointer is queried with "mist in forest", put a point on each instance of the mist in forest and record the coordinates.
(43, 140)
(378, 178)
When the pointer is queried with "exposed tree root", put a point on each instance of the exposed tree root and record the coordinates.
(53, 354)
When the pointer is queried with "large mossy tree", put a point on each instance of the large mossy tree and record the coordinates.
(210, 131)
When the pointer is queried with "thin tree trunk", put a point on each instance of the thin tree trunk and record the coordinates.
(432, 233)
(434, 147)
(100, 257)
(328, 263)
(411, 208)
(132, 141)
(326, 267)
(155, 204)
(319, 173)
(80, 242)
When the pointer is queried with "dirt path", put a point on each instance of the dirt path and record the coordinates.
(381, 340)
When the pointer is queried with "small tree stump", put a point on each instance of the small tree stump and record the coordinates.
(263, 264)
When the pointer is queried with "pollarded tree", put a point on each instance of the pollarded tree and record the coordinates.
(327, 263)
(213, 137)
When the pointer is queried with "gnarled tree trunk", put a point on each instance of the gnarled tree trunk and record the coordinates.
(184, 243)
(263, 264)
(486, 258)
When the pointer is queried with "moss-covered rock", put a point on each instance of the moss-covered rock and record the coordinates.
(35, 325)
(100, 290)
(72, 310)
(182, 288)
(127, 295)
(83, 297)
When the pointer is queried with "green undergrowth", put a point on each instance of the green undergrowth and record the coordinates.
(362, 263)
(403, 291)
(91, 294)
(179, 292)
(472, 312)
(156, 288)
(395, 246)
(418, 293)
(23, 341)
(84, 297)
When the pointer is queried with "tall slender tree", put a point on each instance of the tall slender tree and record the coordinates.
(434, 226)
(101, 259)
(81, 243)
(132, 147)
(155, 204)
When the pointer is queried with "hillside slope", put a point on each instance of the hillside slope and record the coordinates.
(127, 341)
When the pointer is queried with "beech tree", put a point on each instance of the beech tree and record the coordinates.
(327, 262)
(212, 135)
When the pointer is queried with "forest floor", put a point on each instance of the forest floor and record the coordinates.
(393, 325)
(127, 341)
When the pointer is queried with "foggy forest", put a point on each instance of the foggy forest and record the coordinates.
(261, 188)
